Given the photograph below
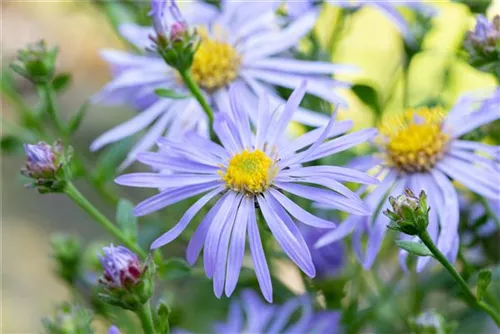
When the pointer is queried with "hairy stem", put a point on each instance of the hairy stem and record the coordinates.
(471, 298)
(195, 90)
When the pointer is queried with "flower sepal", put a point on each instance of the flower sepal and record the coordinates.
(36, 63)
(410, 214)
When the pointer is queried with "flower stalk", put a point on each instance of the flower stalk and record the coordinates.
(84, 203)
(146, 317)
(470, 296)
(196, 91)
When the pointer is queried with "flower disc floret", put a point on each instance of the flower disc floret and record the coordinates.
(216, 63)
(415, 141)
(249, 172)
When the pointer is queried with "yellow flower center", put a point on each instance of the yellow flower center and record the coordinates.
(250, 172)
(414, 141)
(216, 63)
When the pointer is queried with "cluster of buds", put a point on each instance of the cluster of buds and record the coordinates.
(69, 319)
(45, 165)
(173, 40)
(410, 214)
(483, 45)
(36, 63)
(128, 282)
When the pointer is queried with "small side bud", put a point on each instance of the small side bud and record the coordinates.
(113, 330)
(410, 214)
(69, 319)
(128, 283)
(67, 252)
(36, 63)
(45, 165)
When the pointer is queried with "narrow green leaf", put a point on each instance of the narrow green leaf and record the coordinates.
(75, 122)
(11, 144)
(163, 312)
(369, 96)
(414, 247)
(126, 219)
(483, 282)
(170, 94)
(61, 82)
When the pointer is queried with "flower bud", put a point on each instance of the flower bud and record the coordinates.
(430, 322)
(44, 164)
(482, 45)
(36, 63)
(67, 252)
(69, 319)
(173, 41)
(410, 214)
(113, 330)
(128, 282)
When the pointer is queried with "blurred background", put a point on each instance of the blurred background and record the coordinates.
(29, 287)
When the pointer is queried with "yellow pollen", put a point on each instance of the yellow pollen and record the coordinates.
(251, 172)
(216, 63)
(414, 141)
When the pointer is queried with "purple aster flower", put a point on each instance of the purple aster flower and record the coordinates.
(240, 43)
(121, 267)
(247, 171)
(251, 315)
(485, 36)
(328, 260)
(423, 150)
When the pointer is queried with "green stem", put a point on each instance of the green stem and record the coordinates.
(195, 90)
(146, 317)
(79, 199)
(48, 98)
(426, 239)
(489, 211)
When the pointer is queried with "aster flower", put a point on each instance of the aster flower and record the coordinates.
(249, 170)
(241, 43)
(250, 314)
(42, 159)
(423, 150)
(121, 267)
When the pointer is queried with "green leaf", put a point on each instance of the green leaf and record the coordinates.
(61, 82)
(483, 282)
(163, 312)
(369, 96)
(175, 268)
(11, 144)
(75, 122)
(414, 247)
(170, 94)
(126, 219)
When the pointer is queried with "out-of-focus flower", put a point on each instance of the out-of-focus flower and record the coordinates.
(44, 164)
(482, 45)
(410, 213)
(247, 171)
(127, 281)
(240, 43)
(113, 330)
(69, 319)
(431, 322)
(122, 267)
(422, 150)
(36, 63)
(387, 8)
(250, 314)
(328, 260)
(67, 251)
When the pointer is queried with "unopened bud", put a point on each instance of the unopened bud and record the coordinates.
(67, 252)
(430, 322)
(36, 63)
(482, 45)
(409, 214)
(69, 319)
